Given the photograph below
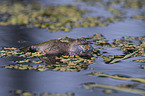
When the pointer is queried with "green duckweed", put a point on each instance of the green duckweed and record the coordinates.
(139, 60)
(27, 93)
(64, 63)
(143, 66)
(108, 91)
(122, 7)
(55, 18)
(126, 44)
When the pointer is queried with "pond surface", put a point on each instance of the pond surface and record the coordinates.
(64, 82)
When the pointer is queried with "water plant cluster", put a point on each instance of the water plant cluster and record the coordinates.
(112, 89)
(63, 17)
(135, 4)
(71, 63)
(74, 62)
(135, 87)
(126, 44)
(100, 74)
(64, 63)
(122, 9)
(55, 18)
(26, 93)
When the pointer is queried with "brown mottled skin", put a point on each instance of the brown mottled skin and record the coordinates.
(61, 46)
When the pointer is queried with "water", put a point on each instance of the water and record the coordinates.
(63, 82)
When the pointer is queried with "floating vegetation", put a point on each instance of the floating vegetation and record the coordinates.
(126, 45)
(143, 66)
(72, 63)
(142, 17)
(108, 91)
(114, 59)
(133, 38)
(99, 39)
(9, 52)
(114, 11)
(103, 43)
(64, 17)
(19, 66)
(100, 74)
(120, 88)
(142, 61)
(55, 18)
(97, 36)
(129, 47)
(6, 52)
(29, 61)
(64, 63)
(122, 7)
(26, 93)
(128, 85)
(134, 4)
(119, 42)
(89, 2)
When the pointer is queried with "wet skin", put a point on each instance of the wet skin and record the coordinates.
(62, 46)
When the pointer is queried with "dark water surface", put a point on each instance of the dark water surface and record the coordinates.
(63, 82)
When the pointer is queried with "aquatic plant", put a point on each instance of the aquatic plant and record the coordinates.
(141, 80)
(27, 93)
(91, 85)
